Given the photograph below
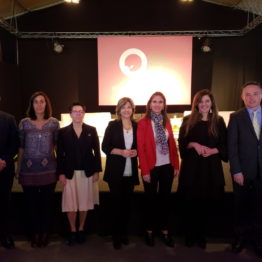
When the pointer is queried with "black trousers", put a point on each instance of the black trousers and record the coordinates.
(157, 197)
(6, 182)
(248, 210)
(121, 193)
(39, 204)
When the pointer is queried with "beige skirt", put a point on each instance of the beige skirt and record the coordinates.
(80, 193)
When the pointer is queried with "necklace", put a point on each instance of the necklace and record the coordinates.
(127, 131)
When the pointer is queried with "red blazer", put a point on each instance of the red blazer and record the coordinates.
(147, 147)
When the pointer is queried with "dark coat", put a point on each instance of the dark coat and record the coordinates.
(90, 151)
(245, 150)
(115, 164)
(9, 142)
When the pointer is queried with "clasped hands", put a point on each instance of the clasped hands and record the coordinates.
(202, 150)
(129, 153)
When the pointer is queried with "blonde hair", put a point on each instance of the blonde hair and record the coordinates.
(121, 103)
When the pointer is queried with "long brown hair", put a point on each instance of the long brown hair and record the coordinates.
(163, 112)
(48, 108)
(196, 116)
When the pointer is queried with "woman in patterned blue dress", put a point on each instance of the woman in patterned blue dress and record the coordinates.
(37, 165)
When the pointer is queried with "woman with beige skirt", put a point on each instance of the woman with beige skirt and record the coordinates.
(78, 167)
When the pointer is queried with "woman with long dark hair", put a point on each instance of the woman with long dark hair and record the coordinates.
(37, 165)
(202, 145)
(159, 164)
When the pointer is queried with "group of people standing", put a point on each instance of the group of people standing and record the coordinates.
(204, 142)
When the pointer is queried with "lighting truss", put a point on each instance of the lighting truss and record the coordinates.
(4, 24)
(85, 35)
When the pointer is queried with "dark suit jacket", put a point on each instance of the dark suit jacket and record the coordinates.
(66, 147)
(245, 150)
(115, 164)
(9, 142)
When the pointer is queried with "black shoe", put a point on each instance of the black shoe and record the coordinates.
(125, 240)
(39, 241)
(189, 241)
(81, 237)
(72, 239)
(35, 240)
(117, 244)
(44, 239)
(168, 240)
(238, 245)
(149, 239)
(7, 242)
(258, 248)
(202, 243)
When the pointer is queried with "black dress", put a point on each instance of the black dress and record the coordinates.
(202, 176)
(201, 181)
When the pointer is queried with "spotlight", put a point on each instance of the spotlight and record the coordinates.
(58, 48)
(72, 1)
(206, 46)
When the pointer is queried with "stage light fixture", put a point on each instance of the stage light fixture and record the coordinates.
(72, 1)
(58, 47)
(206, 46)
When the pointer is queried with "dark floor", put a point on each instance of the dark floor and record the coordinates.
(99, 249)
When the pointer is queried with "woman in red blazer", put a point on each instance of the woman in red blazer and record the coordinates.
(159, 164)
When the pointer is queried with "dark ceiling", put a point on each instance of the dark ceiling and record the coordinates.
(119, 15)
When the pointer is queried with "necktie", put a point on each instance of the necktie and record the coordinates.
(256, 124)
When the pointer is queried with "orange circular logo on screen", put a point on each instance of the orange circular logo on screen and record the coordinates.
(132, 61)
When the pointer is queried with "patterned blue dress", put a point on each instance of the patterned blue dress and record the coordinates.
(38, 163)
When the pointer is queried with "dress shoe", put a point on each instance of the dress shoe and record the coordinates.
(44, 239)
(149, 239)
(258, 248)
(81, 237)
(168, 240)
(72, 239)
(189, 242)
(238, 245)
(125, 240)
(202, 243)
(117, 242)
(7, 242)
(35, 240)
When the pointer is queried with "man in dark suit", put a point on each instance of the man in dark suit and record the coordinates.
(9, 143)
(245, 157)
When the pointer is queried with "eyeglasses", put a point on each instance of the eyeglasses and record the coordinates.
(77, 112)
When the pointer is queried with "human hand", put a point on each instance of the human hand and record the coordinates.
(199, 148)
(239, 179)
(62, 179)
(2, 164)
(146, 178)
(125, 153)
(207, 151)
(176, 172)
(133, 153)
(95, 177)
